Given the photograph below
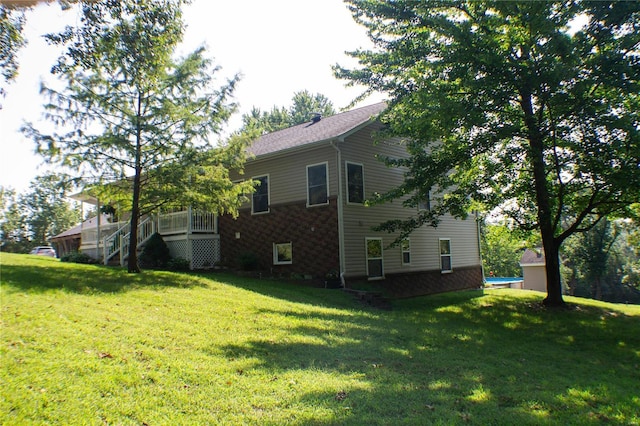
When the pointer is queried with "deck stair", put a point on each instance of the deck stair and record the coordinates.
(118, 242)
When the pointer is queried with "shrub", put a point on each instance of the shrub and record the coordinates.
(178, 264)
(248, 261)
(155, 253)
(77, 257)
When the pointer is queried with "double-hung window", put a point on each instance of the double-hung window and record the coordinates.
(374, 258)
(355, 183)
(260, 198)
(406, 251)
(445, 255)
(317, 185)
(425, 203)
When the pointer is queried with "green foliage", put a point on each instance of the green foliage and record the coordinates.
(127, 104)
(11, 25)
(248, 261)
(46, 211)
(304, 107)
(155, 252)
(169, 348)
(13, 232)
(32, 218)
(504, 106)
(601, 264)
(178, 264)
(77, 257)
(501, 251)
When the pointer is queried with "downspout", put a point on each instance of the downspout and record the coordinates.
(340, 210)
(478, 231)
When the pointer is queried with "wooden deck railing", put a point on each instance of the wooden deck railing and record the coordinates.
(187, 221)
(114, 237)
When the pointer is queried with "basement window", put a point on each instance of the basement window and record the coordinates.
(282, 254)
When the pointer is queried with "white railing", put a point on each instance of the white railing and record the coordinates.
(90, 237)
(146, 229)
(114, 237)
(203, 222)
(173, 223)
(113, 242)
(186, 221)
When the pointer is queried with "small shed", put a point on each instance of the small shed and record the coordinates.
(534, 272)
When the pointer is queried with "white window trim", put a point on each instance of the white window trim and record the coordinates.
(403, 251)
(326, 175)
(275, 254)
(253, 212)
(367, 258)
(346, 178)
(447, 271)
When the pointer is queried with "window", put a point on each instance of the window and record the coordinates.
(374, 258)
(282, 254)
(445, 255)
(425, 203)
(406, 251)
(260, 198)
(317, 185)
(355, 183)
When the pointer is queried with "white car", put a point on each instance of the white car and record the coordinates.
(44, 251)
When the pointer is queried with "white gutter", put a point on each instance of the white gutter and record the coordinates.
(340, 208)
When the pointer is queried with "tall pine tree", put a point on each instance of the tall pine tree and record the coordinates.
(129, 111)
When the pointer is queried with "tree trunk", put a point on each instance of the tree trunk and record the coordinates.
(551, 245)
(554, 284)
(132, 264)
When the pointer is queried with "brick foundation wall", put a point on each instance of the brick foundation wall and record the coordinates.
(427, 282)
(313, 233)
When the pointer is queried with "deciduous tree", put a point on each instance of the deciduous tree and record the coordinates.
(531, 106)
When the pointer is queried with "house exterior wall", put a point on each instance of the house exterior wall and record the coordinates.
(424, 266)
(314, 231)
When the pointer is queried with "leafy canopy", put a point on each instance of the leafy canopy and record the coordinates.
(532, 107)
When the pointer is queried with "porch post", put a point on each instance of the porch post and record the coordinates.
(189, 241)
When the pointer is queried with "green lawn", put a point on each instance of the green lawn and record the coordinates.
(93, 345)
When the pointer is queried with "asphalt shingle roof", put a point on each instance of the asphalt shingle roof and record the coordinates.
(532, 257)
(327, 128)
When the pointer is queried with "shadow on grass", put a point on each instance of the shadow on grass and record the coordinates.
(45, 274)
(291, 291)
(462, 358)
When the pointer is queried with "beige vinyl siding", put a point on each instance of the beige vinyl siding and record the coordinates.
(288, 173)
(359, 219)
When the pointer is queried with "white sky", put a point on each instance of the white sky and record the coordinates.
(279, 46)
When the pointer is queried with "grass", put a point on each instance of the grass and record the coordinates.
(84, 344)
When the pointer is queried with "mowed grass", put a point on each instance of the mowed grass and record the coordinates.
(93, 345)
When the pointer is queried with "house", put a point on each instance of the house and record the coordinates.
(534, 272)
(70, 240)
(308, 216)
